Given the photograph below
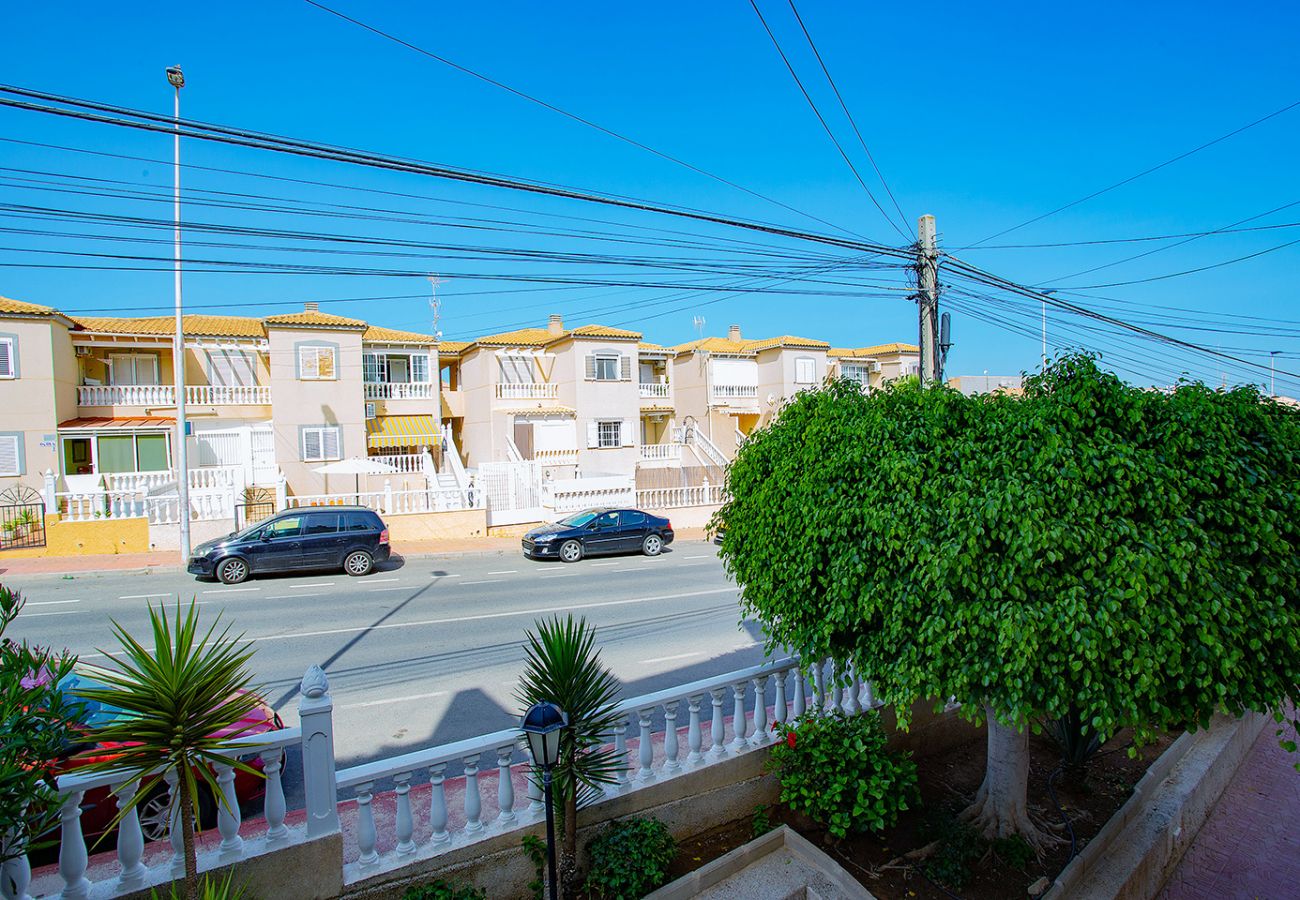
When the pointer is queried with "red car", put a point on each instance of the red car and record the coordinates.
(99, 807)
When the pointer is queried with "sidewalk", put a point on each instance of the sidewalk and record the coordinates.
(169, 560)
(1249, 847)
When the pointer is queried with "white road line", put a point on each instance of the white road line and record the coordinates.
(292, 596)
(142, 596)
(317, 584)
(598, 565)
(53, 602)
(562, 574)
(393, 700)
(62, 612)
(497, 615)
(506, 572)
(232, 590)
(380, 580)
(660, 659)
(489, 581)
(449, 575)
(637, 569)
(695, 557)
(382, 590)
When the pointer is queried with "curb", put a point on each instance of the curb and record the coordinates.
(1134, 853)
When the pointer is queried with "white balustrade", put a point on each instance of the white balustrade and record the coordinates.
(85, 506)
(399, 390)
(404, 825)
(527, 390)
(719, 731)
(722, 393)
(228, 394)
(653, 391)
(73, 857)
(564, 501)
(646, 748)
(670, 736)
(126, 395)
(388, 501)
(438, 805)
(676, 497)
(565, 457)
(405, 463)
(760, 735)
(739, 725)
(660, 452)
(505, 788)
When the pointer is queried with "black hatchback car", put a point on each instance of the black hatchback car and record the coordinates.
(598, 531)
(351, 538)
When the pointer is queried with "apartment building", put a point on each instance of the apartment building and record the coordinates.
(267, 399)
(875, 366)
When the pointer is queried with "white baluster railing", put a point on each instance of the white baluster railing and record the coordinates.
(228, 394)
(527, 390)
(126, 395)
(675, 497)
(653, 391)
(660, 452)
(721, 393)
(568, 457)
(399, 390)
(406, 463)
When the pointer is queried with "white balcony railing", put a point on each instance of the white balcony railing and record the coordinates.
(722, 393)
(653, 391)
(399, 390)
(655, 452)
(567, 457)
(677, 497)
(228, 394)
(126, 395)
(527, 390)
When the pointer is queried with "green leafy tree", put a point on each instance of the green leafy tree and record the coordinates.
(1124, 556)
(629, 859)
(37, 725)
(563, 666)
(182, 704)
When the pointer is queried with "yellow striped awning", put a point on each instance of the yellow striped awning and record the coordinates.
(402, 431)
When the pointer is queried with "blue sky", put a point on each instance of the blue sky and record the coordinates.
(984, 115)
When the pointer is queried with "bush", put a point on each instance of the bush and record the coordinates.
(835, 769)
(444, 890)
(629, 859)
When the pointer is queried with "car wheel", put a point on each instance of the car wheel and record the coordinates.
(154, 813)
(357, 563)
(232, 570)
(571, 551)
(653, 545)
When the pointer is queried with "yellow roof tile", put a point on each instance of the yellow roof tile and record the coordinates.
(452, 348)
(787, 341)
(605, 331)
(202, 325)
(645, 347)
(379, 334)
(877, 350)
(22, 308)
(312, 318)
(524, 337)
(717, 345)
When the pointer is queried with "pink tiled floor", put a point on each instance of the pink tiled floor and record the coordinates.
(1250, 845)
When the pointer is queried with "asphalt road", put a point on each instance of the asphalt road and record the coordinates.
(427, 650)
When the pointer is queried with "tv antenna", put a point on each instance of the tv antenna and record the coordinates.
(699, 326)
(434, 303)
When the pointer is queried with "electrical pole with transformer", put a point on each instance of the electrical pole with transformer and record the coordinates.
(927, 267)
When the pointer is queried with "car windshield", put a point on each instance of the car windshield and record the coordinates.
(577, 520)
(90, 713)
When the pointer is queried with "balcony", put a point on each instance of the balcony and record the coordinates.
(565, 457)
(399, 390)
(659, 455)
(653, 391)
(126, 395)
(732, 393)
(527, 390)
(228, 394)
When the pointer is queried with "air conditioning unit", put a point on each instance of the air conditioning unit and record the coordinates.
(875, 367)
(370, 410)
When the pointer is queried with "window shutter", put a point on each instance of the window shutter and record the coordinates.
(307, 362)
(330, 443)
(6, 358)
(625, 368)
(146, 369)
(625, 430)
(593, 433)
(9, 455)
(591, 367)
(120, 369)
(325, 362)
(311, 444)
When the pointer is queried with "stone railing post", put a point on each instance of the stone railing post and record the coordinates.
(316, 716)
(49, 493)
(388, 497)
(281, 494)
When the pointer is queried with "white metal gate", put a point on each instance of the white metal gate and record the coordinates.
(512, 491)
(265, 471)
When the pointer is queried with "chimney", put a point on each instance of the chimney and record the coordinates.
(555, 325)
(733, 333)
(311, 306)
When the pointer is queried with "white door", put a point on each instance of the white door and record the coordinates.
(265, 471)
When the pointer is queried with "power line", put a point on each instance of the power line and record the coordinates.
(1218, 265)
(1131, 240)
(570, 115)
(817, 112)
(848, 115)
(1144, 172)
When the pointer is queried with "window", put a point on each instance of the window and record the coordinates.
(230, 368)
(11, 454)
(358, 521)
(609, 434)
(316, 363)
(133, 368)
(321, 523)
(420, 369)
(371, 366)
(609, 367)
(131, 453)
(320, 443)
(285, 528)
(633, 518)
(608, 520)
(8, 357)
(517, 370)
(857, 374)
(805, 370)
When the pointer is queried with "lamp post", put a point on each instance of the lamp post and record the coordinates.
(541, 725)
(177, 80)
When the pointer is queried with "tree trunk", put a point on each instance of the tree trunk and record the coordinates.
(569, 847)
(187, 836)
(1000, 808)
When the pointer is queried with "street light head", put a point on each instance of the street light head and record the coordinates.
(176, 77)
(542, 724)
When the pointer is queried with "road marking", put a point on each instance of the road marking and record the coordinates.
(497, 615)
(637, 569)
(56, 602)
(317, 584)
(489, 581)
(380, 580)
(393, 700)
(562, 574)
(62, 612)
(598, 565)
(449, 575)
(506, 572)
(292, 596)
(232, 590)
(142, 596)
(695, 557)
(660, 659)
(382, 590)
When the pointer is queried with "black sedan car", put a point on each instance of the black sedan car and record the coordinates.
(351, 538)
(598, 531)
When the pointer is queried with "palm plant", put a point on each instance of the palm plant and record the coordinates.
(563, 667)
(182, 704)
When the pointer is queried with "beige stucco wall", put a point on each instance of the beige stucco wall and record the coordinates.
(478, 375)
(295, 403)
(424, 527)
(41, 396)
(597, 401)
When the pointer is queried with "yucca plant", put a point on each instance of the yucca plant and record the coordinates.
(564, 667)
(182, 704)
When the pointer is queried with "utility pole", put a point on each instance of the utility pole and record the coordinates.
(1272, 383)
(177, 80)
(927, 266)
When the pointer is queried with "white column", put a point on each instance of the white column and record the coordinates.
(778, 710)
(739, 724)
(799, 704)
(646, 750)
(15, 878)
(174, 834)
(73, 858)
(438, 805)
(403, 825)
(49, 493)
(759, 735)
(366, 836)
(228, 815)
(818, 685)
(851, 705)
(719, 729)
(505, 787)
(620, 753)
(694, 739)
(274, 805)
(670, 735)
(316, 716)
(837, 689)
(130, 841)
(473, 802)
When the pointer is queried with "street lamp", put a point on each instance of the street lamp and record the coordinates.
(176, 79)
(541, 725)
